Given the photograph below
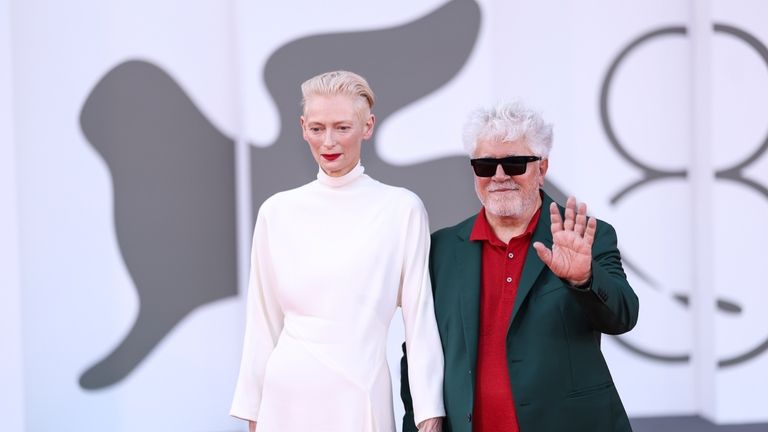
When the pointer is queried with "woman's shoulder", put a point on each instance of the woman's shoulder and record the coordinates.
(400, 195)
(285, 199)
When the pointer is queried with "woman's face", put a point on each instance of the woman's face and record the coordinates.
(335, 128)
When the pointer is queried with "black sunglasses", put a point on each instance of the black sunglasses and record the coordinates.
(512, 165)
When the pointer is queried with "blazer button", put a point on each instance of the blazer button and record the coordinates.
(469, 418)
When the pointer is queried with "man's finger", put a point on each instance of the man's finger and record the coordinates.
(544, 253)
(555, 219)
(570, 215)
(589, 233)
(581, 220)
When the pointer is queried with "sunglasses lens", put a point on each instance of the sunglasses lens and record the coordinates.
(513, 169)
(512, 165)
(484, 169)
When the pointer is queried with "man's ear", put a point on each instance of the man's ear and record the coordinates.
(543, 167)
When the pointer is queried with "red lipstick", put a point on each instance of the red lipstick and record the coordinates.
(331, 157)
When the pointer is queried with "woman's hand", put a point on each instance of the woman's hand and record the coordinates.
(251, 426)
(434, 424)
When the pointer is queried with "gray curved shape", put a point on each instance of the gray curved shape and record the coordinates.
(746, 356)
(560, 196)
(735, 173)
(649, 173)
(650, 355)
(402, 64)
(174, 204)
(725, 306)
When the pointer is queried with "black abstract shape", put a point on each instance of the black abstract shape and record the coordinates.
(402, 64)
(174, 203)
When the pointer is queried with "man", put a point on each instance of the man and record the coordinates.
(523, 291)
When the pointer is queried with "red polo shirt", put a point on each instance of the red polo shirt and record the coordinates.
(494, 408)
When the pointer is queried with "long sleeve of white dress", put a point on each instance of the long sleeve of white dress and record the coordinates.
(331, 262)
(425, 369)
(264, 322)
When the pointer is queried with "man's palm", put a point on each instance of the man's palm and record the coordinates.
(571, 255)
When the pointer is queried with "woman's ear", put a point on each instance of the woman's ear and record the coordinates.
(368, 126)
(303, 131)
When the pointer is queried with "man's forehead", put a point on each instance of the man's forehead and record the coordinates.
(500, 145)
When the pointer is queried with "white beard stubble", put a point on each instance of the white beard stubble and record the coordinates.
(498, 205)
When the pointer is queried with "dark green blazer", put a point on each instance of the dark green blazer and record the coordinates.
(559, 378)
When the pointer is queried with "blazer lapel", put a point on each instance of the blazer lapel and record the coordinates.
(468, 255)
(533, 264)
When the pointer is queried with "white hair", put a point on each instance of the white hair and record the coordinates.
(340, 83)
(508, 121)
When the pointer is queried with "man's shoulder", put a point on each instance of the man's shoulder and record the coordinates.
(458, 231)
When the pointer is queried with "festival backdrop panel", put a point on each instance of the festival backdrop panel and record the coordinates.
(740, 205)
(147, 134)
(11, 365)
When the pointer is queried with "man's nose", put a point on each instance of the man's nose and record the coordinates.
(500, 174)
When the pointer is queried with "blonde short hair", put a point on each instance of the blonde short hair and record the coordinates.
(339, 83)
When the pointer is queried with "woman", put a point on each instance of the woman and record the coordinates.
(331, 261)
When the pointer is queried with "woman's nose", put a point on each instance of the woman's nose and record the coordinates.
(328, 139)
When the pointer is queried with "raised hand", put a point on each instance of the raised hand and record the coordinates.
(571, 255)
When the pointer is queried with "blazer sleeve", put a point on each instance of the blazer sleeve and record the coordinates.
(610, 304)
(264, 322)
(422, 340)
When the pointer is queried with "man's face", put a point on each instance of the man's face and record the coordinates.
(335, 129)
(503, 195)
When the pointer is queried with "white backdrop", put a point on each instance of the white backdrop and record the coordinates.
(686, 236)
(11, 370)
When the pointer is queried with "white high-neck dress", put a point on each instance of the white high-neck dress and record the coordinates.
(331, 261)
